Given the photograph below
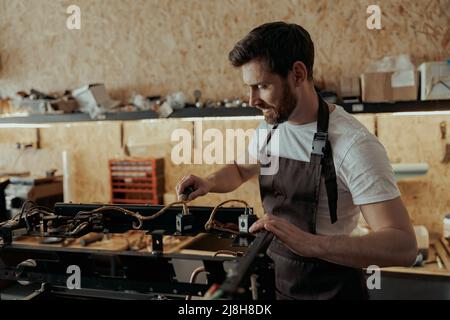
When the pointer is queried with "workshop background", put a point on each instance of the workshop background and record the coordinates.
(157, 48)
(153, 46)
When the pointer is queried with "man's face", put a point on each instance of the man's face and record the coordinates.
(268, 92)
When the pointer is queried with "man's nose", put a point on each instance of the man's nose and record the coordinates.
(253, 98)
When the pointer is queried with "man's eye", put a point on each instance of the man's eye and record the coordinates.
(262, 86)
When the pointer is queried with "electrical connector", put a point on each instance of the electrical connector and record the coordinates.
(184, 223)
(246, 221)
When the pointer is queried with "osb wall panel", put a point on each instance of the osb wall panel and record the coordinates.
(89, 147)
(413, 139)
(248, 191)
(153, 138)
(12, 135)
(157, 47)
(35, 161)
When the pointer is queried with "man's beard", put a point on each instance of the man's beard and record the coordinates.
(284, 109)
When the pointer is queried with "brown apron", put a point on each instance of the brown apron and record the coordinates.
(293, 194)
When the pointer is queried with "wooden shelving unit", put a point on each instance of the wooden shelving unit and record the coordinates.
(192, 112)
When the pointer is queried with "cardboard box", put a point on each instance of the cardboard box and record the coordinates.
(435, 80)
(94, 99)
(389, 86)
(350, 87)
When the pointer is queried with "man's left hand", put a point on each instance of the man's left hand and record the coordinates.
(297, 240)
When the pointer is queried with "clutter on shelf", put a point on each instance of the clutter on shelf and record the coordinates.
(393, 78)
(165, 106)
(390, 79)
(37, 102)
(94, 100)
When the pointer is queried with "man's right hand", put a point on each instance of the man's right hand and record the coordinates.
(201, 187)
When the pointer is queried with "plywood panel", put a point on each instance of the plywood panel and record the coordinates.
(237, 129)
(153, 138)
(418, 138)
(157, 47)
(134, 240)
(89, 145)
(233, 135)
(12, 134)
(35, 161)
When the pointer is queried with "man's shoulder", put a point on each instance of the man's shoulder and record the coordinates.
(343, 124)
(363, 165)
(346, 132)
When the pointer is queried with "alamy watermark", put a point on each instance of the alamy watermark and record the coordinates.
(374, 20)
(374, 280)
(211, 146)
(74, 280)
(73, 22)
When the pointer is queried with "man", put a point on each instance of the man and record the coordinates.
(330, 168)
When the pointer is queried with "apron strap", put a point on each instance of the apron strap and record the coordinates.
(329, 174)
(264, 151)
(268, 137)
(322, 153)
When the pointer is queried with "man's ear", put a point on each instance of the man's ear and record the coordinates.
(299, 72)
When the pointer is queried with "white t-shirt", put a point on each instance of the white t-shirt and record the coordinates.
(364, 174)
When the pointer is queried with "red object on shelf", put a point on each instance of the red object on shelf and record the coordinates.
(137, 181)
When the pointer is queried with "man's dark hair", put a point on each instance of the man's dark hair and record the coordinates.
(279, 44)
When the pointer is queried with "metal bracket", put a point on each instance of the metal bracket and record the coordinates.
(319, 143)
(443, 126)
(157, 241)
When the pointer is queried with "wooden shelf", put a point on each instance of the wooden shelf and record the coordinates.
(192, 112)
(404, 106)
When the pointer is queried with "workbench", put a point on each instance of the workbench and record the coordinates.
(428, 282)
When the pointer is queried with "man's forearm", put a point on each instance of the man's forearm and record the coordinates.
(390, 247)
(225, 180)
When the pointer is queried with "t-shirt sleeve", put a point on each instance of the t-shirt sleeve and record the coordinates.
(368, 173)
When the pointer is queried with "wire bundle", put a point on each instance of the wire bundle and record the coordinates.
(83, 219)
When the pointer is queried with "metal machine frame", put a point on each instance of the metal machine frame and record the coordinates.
(132, 274)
